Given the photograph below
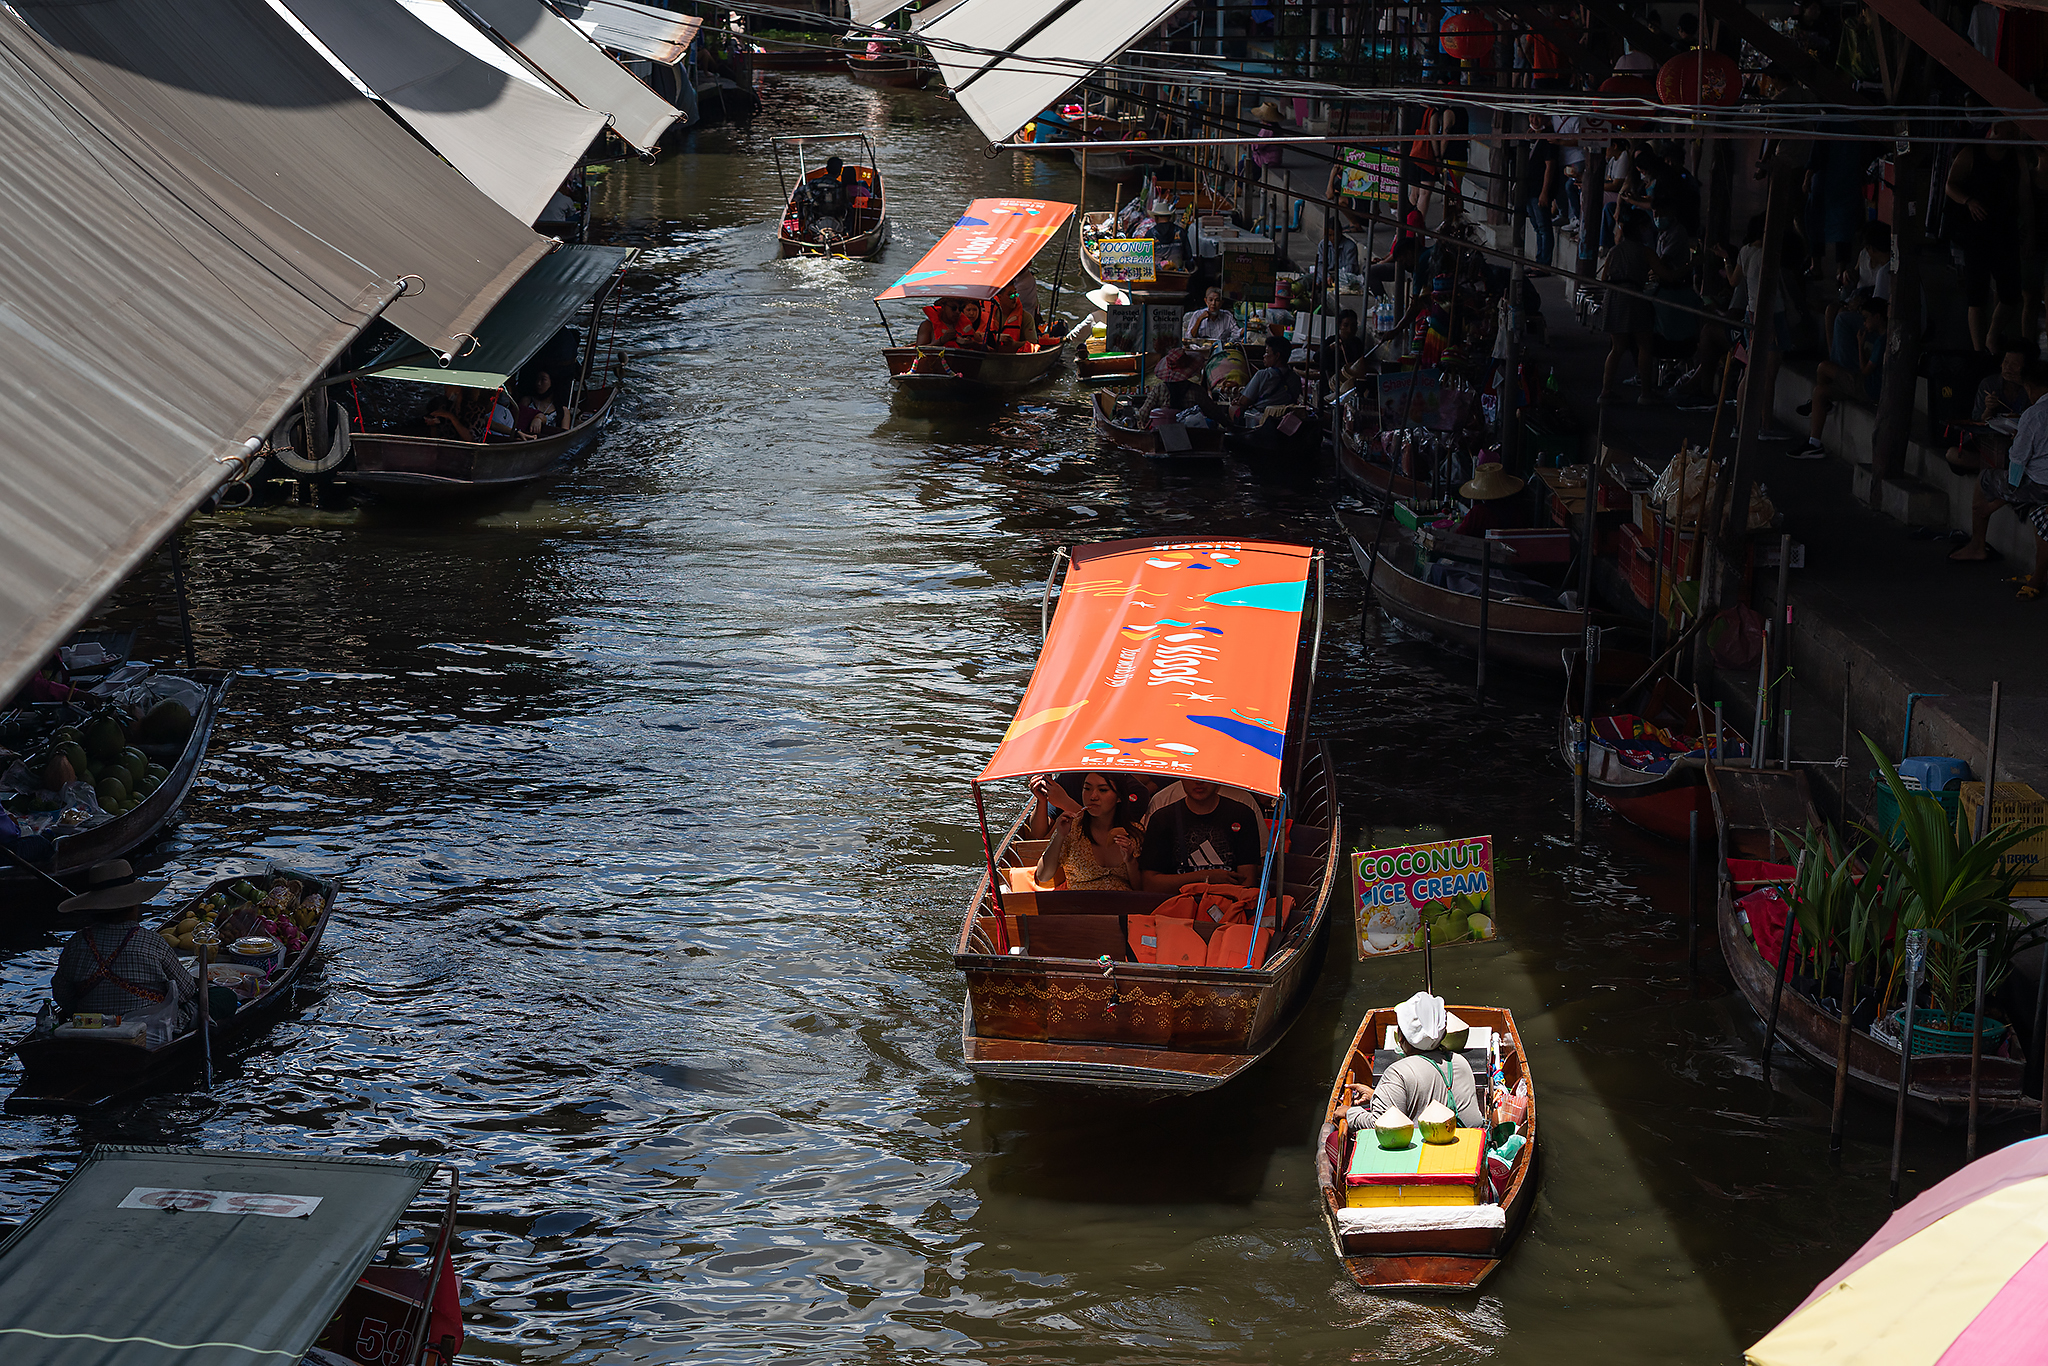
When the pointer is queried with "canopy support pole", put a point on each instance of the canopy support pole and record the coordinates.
(1265, 880)
(1315, 651)
(1045, 603)
(995, 881)
(885, 324)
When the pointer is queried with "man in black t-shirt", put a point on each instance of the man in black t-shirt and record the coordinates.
(1203, 837)
(1537, 183)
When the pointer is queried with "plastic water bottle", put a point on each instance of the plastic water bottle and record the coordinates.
(46, 1021)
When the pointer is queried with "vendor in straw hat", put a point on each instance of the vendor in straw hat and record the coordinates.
(116, 966)
(1492, 492)
(1429, 1069)
(1269, 118)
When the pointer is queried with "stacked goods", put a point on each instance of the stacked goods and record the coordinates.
(283, 911)
(103, 754)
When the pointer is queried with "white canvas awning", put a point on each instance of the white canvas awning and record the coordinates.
(874, 11)
(456, 27)
(586, 72)
(658, 35)
(1006, 60)
(514, 141)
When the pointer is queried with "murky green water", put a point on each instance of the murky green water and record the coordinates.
(649, 788)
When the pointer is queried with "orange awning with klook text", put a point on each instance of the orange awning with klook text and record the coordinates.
(989, 247)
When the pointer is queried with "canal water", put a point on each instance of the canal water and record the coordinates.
(649, 789)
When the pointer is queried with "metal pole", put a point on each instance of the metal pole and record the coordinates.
(1846, 667)
(1916, 952)
(1848, 1007)
(995, 879)
(1657, 585)
(1990, 769)
(1692, 893)
(1760, 738)
(1587, 550)
(1717, 733)
(1511, 358)
(1485, 594)
(1785, 738)
(1976, 1060)
(205, 938)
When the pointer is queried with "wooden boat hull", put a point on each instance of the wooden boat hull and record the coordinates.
(127, 833)
(425, 468)
(1115, 365)
(1519, 635)
(70, 1076)
(889, 73)
(1379, 482)
(1662, 804)
(1114, 165)
(1442, 1262)
(972, 374)
(1170, 1029)
(1748, 803)
(772, 56)
(1206, 443)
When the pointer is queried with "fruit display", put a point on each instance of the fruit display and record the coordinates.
(95, 768)
(280, 910)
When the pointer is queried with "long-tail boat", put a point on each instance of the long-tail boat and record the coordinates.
(1441, 1236)
(867, 209)
(1169, 660)
(990, 245)
(1648, 759)
(71, 1071)
(236, 1257)
(1751, 807)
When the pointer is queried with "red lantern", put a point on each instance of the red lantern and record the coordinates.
(1701, 76)
(1468, 36)
(1630, 88)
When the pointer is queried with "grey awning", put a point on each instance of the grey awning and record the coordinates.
(154, 316)
(562, 52)
(109, 1274)
(515, 141)
(659, 35)
(228, 86)
(534, 310)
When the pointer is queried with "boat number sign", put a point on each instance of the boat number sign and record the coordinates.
(221, 1202)
(1413, 894)
(1126, 260)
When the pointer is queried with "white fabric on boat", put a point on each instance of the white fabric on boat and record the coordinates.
(1006, 60)
(1421, 1218)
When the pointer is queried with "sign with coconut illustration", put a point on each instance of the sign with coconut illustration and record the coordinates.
(1439, 893)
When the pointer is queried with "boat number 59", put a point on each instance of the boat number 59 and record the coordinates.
(376, 1343)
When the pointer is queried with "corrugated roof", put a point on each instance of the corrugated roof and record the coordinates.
(226, 85)
(583, 69)
(153, 317)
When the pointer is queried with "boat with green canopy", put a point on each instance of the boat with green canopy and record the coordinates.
(148, 1255)
(530, 330)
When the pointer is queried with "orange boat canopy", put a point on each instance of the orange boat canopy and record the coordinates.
(993, 241)
(1173, 658)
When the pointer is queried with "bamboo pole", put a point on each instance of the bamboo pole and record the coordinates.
(1990, 768)
(1692, 894)
(1842, 1029)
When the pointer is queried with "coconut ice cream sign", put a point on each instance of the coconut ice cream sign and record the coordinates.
(1418, 894)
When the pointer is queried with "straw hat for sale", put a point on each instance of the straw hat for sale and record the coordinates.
(1490, 481)
(1107, 296)
(1268, 112)
(111, 886)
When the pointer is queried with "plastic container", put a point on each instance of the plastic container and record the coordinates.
(1888, 807)
(1936, 1031)
(260, 952)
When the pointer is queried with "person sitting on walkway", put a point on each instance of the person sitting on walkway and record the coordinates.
(1856, 371)
(2029, 460)
(1404, 253)
(1984, 453)
(1212, 321)
(1097, 850)
(115, 966)
(1203, 837)
(1336, 256)
(1425, 1073)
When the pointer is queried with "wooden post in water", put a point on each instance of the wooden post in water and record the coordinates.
(1485, 593)
(1916, 951)
(1976, 1060)
(1583, 750)
(1778, 987)
(1990, 768)
(1692, 894)
(1848, 1008)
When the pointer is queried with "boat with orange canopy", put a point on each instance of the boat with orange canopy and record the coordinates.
(988, 248)
(1165, 660)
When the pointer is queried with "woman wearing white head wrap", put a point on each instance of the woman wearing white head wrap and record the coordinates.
(1426, 1073)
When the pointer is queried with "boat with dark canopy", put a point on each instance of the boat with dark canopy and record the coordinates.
(1166, 660)
(151, 1255)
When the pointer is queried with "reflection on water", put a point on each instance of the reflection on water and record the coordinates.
(649, 790)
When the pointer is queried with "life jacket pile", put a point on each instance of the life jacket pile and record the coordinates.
(1173, 932)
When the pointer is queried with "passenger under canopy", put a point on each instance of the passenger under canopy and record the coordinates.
(990, 245)
(1170, 658)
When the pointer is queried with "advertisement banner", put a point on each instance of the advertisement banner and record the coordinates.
(1126, 260)
(1440, 892)
(1373, 176)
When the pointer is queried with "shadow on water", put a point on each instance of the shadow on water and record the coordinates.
(649, 791)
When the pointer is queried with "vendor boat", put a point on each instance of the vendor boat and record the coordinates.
(889, 68)
(775, 54)
(1446, 1233)
(72, 1070)
(1069, 986)
(1648, 760)
(993, 243)
(79, 847)
(410, 467)
(1170, 282)
(1751, 807)
(867, 212)
(1195, 444)
(1522, 631)
(250, 1257)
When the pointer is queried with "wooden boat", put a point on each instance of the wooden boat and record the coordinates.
(990, 245)
(131, 831)
(867, 218)
(1378, 482)
(255, 1257)
(1094, 361)
(895, 69)
(1205, 444)
(427, 468)
(773, 54)
(1055, 989)
(1420, 1261)
(1520, 633)
(1661, 803)
(1750, 806)
(1172, 282)
(67, 1075)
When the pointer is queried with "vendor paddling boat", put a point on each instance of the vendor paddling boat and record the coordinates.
(1648, 753)
(151, 1255)
(863, 232)
(1171, 441)
(75, 1069)
(1753, 808)
(162, 724)
(990, 246)
(1160, 991)
(1430, 1217)
(1525, 626)
(526, 331)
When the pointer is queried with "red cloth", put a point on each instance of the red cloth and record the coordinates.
(445, 1320)
(1766, 906)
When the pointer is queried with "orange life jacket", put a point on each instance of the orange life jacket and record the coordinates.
(1143, 931)
(1181, 943)
(1231, 945)
(943, 332)
(1009, 318)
